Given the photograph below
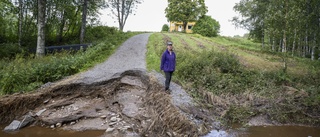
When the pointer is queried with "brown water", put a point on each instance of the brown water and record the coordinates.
(268, 131)
(46, 132)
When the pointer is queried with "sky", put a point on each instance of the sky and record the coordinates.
(150, 16)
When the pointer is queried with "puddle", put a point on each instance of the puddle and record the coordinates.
(268, 131)
(36, 131)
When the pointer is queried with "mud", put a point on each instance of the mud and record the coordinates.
(131, 103)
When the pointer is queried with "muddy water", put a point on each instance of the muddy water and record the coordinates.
(268, 131)
(46, 132)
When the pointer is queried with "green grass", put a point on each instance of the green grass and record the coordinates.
(24, 74)
(237, 69)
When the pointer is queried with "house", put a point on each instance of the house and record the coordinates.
(178, 26)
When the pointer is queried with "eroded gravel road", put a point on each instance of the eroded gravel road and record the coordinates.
(118, 95)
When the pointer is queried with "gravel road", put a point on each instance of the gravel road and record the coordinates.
(130, 55)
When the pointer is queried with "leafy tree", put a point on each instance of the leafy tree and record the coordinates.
(7, 19)
(122, 9)
(185, 11)
(165, 27)
(207, 26)
(288, 26)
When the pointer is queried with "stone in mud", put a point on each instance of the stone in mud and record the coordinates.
(26, 120)
(13, 126)
(109, 130)
(40, 112)
(16, 125)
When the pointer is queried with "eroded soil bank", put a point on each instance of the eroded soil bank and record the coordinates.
(131, 103)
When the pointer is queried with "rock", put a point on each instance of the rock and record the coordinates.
(109, 130)
(174, 134)
(72, 123)
(113, 119)
(40, 112)
(46, 101)
(119, 119)
(112, 123)
(58, 125)
(52, 126)
(26, 120)
(103, 116)
(13, 126)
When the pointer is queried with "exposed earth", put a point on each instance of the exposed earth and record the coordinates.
(119, 96)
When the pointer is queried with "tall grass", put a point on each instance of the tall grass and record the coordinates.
(23, 74)
(221, 73)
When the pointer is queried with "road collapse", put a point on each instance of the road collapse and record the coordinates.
(131, 103)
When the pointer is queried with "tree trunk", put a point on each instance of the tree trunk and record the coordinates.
(41, 27)
(304, 52)
(20, 21)
(280, 46)
(185, 26)
(273, 44)
(63, 21)
(84, 20)
(313, 47)
(294, 41)
(284, 44)
(262, 40)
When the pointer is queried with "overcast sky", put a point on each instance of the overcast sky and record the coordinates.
(150, 16)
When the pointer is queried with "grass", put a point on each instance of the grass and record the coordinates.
(23, 74)
(243, 74)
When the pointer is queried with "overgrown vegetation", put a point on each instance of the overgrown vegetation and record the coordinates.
(226, 75)
(26, 73)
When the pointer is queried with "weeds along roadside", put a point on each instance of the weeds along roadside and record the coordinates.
(235, 93)
(23, 74)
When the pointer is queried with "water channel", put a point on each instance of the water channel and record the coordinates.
(259, 131)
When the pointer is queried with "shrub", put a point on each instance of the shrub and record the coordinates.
(207, 26)
(24, 74)
(165, 27)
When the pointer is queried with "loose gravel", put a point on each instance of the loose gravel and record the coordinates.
(130, 55)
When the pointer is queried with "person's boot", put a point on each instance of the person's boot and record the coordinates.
(168, 91)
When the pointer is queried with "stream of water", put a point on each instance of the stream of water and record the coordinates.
(260, 131)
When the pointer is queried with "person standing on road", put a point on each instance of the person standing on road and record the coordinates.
(168, 64)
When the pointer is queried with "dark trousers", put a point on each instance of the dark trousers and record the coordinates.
(168, 79)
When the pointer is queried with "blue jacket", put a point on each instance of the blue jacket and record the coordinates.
(168, 62)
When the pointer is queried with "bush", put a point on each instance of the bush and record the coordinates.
(165, 27)
(9, 50)
(207, 26)
(24, 74)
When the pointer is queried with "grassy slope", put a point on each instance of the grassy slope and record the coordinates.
(258, 86)
(24, 74)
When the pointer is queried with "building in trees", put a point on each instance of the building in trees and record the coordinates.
(178, 27)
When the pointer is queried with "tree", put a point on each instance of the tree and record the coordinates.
(289, 26)
(185, 11)
(122, 9)
(207, 26)
(165, 27)
(84, 20)
(41, 27)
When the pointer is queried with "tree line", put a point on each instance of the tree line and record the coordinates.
(287, 26)
(46, 22)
